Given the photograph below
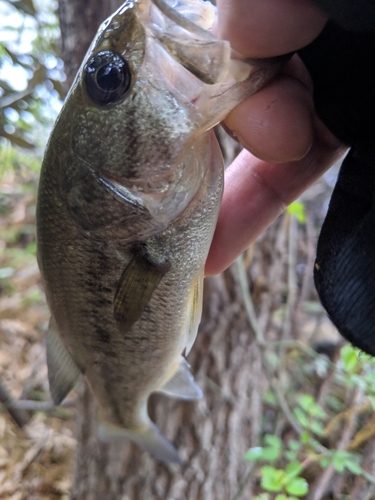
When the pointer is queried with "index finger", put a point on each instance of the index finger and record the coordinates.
(267, 28)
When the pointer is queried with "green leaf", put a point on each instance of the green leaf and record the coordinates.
(294, 445)
(269, 398)
(317, 411)
(271, 454)
(372, 401)
(354, 467)
(358, 381)
(335, 403)
(272, 440)
(297, 486)
(293, 469)
(272, 359)
(324, 462)
(297, 208)
(305, 437)
(254, 453)
(317, 428)
(349, 357)
(301, 417)
(290, 455)
(340, 459)
(306, 401)
(272, 479)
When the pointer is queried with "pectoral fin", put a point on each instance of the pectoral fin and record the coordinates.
(194, 312)
(62, 371)
(182, 385)
(135, 288)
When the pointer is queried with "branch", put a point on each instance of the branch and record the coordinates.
(19, 415)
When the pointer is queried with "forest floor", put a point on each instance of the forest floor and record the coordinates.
(36, 460)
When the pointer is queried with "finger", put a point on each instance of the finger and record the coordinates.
(266, 28)
(276, 123)
(256, 192)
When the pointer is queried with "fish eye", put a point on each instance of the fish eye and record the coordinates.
(107, 77)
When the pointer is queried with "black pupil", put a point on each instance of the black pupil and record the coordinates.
(109, 78)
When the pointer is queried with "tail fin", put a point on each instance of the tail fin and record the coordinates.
(150, 439)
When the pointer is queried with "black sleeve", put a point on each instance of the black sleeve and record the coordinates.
(353, 15)
(341, 62)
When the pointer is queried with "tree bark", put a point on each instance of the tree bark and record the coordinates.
(79, 20)
(212, 435)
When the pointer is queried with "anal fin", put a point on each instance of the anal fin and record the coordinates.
(182, 384)
(62, 371)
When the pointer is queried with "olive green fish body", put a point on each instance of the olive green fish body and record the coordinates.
(128, 200)
(123, 367)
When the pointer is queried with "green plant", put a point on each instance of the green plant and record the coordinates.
(281, 464)
(287, 480)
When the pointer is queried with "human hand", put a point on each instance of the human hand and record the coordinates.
(291, 147)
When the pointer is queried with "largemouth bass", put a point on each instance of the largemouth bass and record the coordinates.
(129, 195)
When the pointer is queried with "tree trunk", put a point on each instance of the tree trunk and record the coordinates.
(79, 20)
(211, 435)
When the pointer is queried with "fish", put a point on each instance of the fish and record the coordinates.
(129, 194)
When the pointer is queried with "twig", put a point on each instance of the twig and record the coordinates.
(302, 347)
(325, 479)
(261, 343)
(29, 405)
(368, 463)
(244, 483)
(292, 281)
(307, 275)
(249, 306)
(19, 415)
(329, 380)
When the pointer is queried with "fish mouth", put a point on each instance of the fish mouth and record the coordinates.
(188, 38)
